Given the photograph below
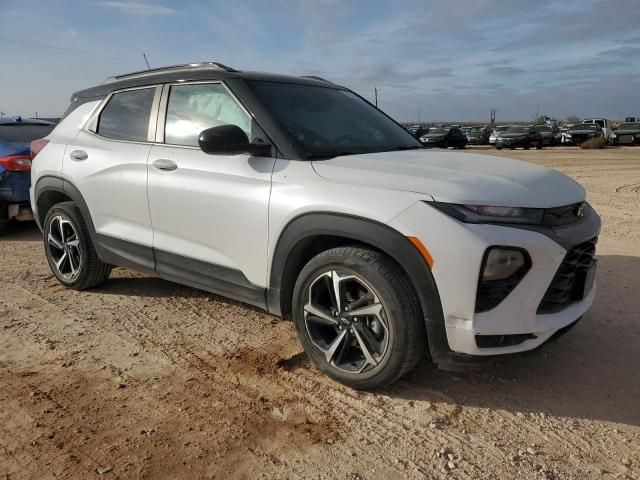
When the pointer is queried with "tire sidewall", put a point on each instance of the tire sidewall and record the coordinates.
(394, 311)
(68, 214)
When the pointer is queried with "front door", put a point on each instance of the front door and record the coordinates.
(209, 212)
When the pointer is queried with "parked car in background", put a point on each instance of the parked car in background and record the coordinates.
(16, 135)
(628, 133)
(519, 137)
(444, 137)
(299, 197)
(564, 133)
(478, 136)
(550, 134)
(495, 133)
(417, 130)
(605, 125)
(582, 132)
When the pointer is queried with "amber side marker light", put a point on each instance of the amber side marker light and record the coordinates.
(423, 250)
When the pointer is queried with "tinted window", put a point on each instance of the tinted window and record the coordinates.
(194, 108)
(325, 121)
(24, 133)
(126, 116)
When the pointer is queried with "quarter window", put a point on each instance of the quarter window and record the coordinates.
(126, 116)
(194, 108)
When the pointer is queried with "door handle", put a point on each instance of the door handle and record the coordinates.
(165, 165)
(79, 155)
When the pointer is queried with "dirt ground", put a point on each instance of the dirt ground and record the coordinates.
(143, 378)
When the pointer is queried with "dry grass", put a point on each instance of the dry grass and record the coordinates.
(594, 143)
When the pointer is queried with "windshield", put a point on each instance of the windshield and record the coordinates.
(502, 128)
(326, 122)
(477, 130)
(541, 128)
(585, 126)
(438, 131)
(629, 126)
(518, 130)
(24, 133)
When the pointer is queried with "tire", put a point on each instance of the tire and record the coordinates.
(66, 235)
(394, 338)
(4, 217)
(527, 146)
(498, 148)
(539, 146)
(445, 144)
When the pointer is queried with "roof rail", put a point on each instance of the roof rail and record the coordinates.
(186, 66)
(315, 77)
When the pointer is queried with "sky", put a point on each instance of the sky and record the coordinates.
(447, 60)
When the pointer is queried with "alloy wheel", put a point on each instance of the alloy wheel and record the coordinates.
(64, 248)
(346, 321)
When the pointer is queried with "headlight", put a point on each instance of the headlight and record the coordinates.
(491, 214)
(501, 263)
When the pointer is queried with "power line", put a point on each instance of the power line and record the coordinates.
(68, 50)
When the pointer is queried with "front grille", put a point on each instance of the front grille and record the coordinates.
(497, 341)
(565, 215)
(567, 285)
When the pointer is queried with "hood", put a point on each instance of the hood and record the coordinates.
(513, 135)
(455, 177)
(434, 135)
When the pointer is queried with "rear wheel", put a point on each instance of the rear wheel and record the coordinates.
(445, 144)
(358, 318)
(69, 249)
(4, 217)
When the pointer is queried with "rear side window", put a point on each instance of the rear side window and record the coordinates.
(194, 108)
(126, 116)
(24, 133)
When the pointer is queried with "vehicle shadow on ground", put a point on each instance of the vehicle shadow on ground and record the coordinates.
(21, 232)
(591, 372)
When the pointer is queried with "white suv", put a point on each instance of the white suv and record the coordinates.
(300, 197)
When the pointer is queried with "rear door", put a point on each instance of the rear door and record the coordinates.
(107, 162)
(209, 212)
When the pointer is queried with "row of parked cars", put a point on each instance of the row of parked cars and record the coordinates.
(16, 135)
(537, 136)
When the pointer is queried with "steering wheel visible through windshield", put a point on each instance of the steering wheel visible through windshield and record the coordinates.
(329, 121)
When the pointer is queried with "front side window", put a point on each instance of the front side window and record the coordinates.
(327, 121)
(197, 107)
(126, 116)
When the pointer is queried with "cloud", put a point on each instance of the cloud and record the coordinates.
(504, 70)
(139, 8)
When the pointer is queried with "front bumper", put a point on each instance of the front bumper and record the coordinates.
(477, 140)
(511, 142)
(458, 249)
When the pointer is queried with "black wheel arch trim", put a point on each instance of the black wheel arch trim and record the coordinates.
(378, 235)
(109, 250)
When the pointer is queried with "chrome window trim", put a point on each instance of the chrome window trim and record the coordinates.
(91, 125)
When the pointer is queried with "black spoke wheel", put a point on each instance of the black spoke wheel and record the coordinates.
(357, 317)
(69, 249)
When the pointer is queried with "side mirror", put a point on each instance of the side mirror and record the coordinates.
(229, 140)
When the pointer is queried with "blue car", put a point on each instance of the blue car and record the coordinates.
(16, 135)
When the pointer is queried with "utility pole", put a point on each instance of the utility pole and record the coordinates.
(375, 93)
(146, 61)
(418, 114)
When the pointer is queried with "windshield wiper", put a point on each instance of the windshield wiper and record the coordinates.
(341, 153)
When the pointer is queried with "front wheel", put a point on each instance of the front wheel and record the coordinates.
(69, 249)
(357, 317)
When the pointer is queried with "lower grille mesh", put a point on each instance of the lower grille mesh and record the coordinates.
(568, 283)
